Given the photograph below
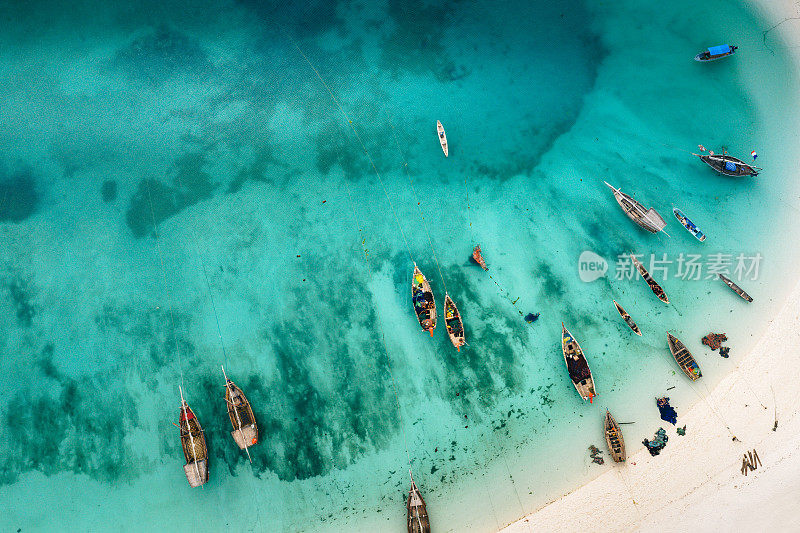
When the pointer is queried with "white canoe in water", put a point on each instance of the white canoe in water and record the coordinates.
(442, 137)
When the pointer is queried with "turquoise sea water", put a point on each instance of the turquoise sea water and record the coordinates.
(165, 165)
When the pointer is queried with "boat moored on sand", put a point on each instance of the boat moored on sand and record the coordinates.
(684, 358)
(712, 53)
(577, 367)
(616, 445)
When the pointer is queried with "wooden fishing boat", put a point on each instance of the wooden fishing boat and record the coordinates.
(655, 287)
(688, 224)
(245, 429)
(616, 445)
(684, 358)
(193, 441)
(735, 288)
(478, 258)
(417, 514)
(728, 165)
(442, 137)
(453, 323)
(627, 318)
(422, 298)
(647, 219)
(577, 366)
(712, 53)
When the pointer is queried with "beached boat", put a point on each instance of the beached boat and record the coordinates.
(627, 318)
(655, 287)
(422, 298)
(728, 165)
(245, 429)
(616, 445)
(193, 441)
(577, 366)
(688, 224)
(442, 137)
(417, 514)
(647, 219)
(712, 53)
(453, 323)
(735, 288)
(684, 358)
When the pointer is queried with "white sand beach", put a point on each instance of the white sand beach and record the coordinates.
(697, 480)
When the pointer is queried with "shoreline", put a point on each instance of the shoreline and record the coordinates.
(702, 471)
(697, 479)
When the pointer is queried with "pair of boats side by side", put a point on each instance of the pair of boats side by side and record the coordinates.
(425, 309)
(581, 375)
(193, 440)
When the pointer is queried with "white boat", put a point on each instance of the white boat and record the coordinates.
(442, 137)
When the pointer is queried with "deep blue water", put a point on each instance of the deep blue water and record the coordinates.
(166, 166)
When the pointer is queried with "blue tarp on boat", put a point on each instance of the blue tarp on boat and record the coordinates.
(730, 166)
(719, 50)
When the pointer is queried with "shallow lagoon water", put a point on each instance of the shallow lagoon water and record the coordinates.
(156, 158)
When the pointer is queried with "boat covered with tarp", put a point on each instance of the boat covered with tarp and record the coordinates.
(728, 165)
(647, 219)
(577, 366)
(712, 53)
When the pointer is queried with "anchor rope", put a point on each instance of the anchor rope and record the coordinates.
(360, 142)
(416, 199)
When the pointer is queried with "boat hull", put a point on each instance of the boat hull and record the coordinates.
(193, 442)
(718, 163)
(735, 288)
(240, 413)
(654, 286)
(453, 323)
(627, 318)
(577, 366)
(418, 521)
(616, 444)
(684, 358)
(423, 301)
(647, 219)
(442, 137)
(688, 224)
